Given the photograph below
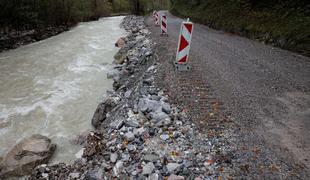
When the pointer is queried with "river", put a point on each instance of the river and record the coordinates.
(53, 87)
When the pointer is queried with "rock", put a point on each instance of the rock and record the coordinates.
(139, 131)
(112, 74)
(146, 104)
(172, 166)
(175, 177)
(166, 108)
(153, 177)
(151, 157)
(120, 42)
(131, 147)
(127, 94)
(164, 137)
(113, 157)
(80, 153)
(94, 174)
(117, 169)
(165, 122)
(101, 112)
(118, 123)
(158, 116)
(132, 123)
(74, 175)
(148, 168)
(26, 155)
(130, 136)
(120, 57)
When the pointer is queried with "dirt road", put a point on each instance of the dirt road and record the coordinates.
(266, 89)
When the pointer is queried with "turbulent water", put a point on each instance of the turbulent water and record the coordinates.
(52, 87)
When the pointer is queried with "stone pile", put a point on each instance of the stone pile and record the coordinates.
(139, 134)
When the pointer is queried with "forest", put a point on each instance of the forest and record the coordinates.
(20, 15)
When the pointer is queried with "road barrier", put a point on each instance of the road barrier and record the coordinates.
(184, 46)
(156, 18)
(163, 24)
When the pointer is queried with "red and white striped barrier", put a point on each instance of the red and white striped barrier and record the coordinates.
(154, 14)
(157, 18)
(184, 45)
(163, 25)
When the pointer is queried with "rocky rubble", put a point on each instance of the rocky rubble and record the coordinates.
(139, 134)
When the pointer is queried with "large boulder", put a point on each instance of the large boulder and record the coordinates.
(101, 112)
(26, 155)
(120, 42)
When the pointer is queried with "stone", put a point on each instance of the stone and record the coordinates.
(74, 175)
(132, 123)
(148, 168)
(151, 157)
(117, 169)
(118, 123)
(130, 136)
(172, 166)
(80, 153)
(146, 104)
(131, 147)
(165, 122)
(175, 177)
(112, 74)
(94, 174)
(120, 42)
(26, 155)
(153, 176)
(139, 131)
(113, 157)
(158, 116)
(164, 137)
(120, 57)
(166, 108)
(101, 112)
(127, 94)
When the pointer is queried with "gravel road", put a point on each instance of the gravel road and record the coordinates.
(266, 89)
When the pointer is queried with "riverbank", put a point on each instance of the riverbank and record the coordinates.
(14, 40)
(161, 124)
(283, 25)
(139, 132)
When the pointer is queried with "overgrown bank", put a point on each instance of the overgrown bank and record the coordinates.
(283, 24)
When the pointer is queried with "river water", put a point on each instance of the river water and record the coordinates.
(53, 87)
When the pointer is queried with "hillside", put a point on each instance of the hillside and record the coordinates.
(283, 24)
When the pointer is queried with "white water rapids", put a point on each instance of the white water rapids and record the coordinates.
(53, 87)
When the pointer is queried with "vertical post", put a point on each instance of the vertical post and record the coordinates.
(154, 16)
(163, 23)
(184, 44)
(157, 18)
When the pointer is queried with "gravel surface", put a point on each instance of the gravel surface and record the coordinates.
(264, 90)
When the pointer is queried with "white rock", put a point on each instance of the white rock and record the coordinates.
(148, 168)
(113, 157)
(172, 166)
(80, 153)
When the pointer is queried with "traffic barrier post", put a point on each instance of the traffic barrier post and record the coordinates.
(184, 45)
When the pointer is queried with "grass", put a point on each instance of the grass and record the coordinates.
(284, 28)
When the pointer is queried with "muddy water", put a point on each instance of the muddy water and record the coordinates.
(52, 87)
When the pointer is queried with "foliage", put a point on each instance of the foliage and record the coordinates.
(284, 23)
(27, 14)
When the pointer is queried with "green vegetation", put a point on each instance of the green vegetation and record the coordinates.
(18, 15)
(31, 14)
(283, 23)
